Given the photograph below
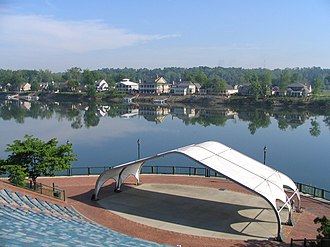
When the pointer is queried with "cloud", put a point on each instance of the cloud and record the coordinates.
(35, 33)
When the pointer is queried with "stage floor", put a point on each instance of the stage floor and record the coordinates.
(198, 211)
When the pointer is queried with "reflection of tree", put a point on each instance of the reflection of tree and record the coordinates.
(292, 119)
(77, 123)
(209, 117)
(258, 119)
(327, 121)
(90, 117)
(283, 124)
(315, 130)
(13, 110)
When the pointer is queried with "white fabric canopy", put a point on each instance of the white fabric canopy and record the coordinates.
(247, 172)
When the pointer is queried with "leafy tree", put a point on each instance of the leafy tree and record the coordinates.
(91, 91)
(285, 79)
(256, 87)
(73, 84)
(202, 79)
(33, 157)
(45, 75)
(316, 86)
(219, 85)
(324, 229)
(266, 82)
(89, 77)
(295, 77)
(35, 86)
(73, 73)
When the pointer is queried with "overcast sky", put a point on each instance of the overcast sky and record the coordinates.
(59, 34)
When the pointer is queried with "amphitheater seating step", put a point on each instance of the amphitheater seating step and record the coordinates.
(42, 223)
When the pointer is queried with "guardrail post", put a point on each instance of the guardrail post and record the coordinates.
(40, 188)
(173, 170)
(89, 171)
(152, 169)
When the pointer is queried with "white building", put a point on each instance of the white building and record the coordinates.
(101, 86)
(183, 88)
(156, 86)
(127, 86)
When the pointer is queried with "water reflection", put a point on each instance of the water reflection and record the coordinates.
(90, 114)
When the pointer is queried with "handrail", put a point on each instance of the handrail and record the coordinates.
(187, 170)
(52, 191)
(309, 242)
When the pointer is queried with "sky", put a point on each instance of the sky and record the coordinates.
(60, 34)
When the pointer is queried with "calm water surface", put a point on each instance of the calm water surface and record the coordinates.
(297, 142)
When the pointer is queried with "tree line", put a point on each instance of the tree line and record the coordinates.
(216, 77)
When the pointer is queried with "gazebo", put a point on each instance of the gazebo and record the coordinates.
(267, 182)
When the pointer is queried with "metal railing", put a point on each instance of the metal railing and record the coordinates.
(176, 170)
(313, 191)
(189, 171)
(323, 242)
(52, 191)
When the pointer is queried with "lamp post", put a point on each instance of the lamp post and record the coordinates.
(138, 149)
(265, 153)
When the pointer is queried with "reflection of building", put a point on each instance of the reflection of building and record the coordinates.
(295, 120)
(157, 86)
(131, 112)
(155, 113)
(209, 113)
(184, 112)
(26, 105)
(102, 110)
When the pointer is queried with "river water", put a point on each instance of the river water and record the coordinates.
(106, 135)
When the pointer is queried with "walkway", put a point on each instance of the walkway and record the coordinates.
(244, 223)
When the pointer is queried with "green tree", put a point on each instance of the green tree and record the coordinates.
(295, 77)
(256, 87)
(316, 86)
(45, 75)
(33, 157)
(266, 82)
(91, 91)
(73, 84)
(35, 86)
(219, 85)
(285, 79)
(324, 229)
(202, 79)
(89, 77)
(73, 73)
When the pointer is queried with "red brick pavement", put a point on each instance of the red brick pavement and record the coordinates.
(80, 189)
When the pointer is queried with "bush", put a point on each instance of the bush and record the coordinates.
(324, 229)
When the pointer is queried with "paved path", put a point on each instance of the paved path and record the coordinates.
(248, 224)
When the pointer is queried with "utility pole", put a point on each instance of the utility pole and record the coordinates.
(138, 149)
(265, 153)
